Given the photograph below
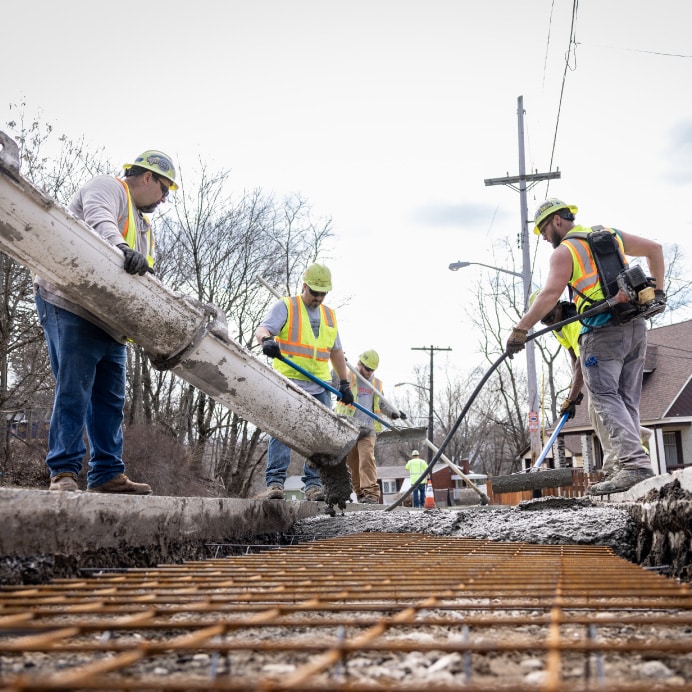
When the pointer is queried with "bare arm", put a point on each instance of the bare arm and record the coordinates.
(339, 362)
(577, 377)
(636, 246)
(558, 277)
(260, 333)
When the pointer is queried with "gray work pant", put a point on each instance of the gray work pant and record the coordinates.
(612, 361)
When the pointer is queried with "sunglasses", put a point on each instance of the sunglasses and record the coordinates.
(366, 368)
(317, 294)
(164, 189)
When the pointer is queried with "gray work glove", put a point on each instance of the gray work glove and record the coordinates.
(660, 296)
(135, 262)
(270, 348)
(346, 393)
(516, 341)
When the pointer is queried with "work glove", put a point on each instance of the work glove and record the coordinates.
(660, 296)
(396, 415)
(270, 348)
(135, 262)
(346, 393)
(402, 415)
(516, 341)
(569, 406)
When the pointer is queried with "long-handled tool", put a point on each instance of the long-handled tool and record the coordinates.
(529, 479)
(485, 500)
(329, 387)
(602, 307)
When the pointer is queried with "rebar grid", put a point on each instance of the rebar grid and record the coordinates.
(363, 612)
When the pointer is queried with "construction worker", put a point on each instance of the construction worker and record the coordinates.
(304, 330)
(87, 356)
(568, 336)
(361, 459)
(612, 351)
(416, 467)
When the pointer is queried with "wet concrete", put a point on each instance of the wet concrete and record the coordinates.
(46, 534)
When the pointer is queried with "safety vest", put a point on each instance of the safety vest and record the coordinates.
(568, 336)
(298, 342)
(129, 229)
(585, 279)
(415, 467)
(344, 410)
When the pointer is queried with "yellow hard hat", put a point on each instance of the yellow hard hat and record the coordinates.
(549, 207)
(370, 359)
(318, 278)
(156, 162)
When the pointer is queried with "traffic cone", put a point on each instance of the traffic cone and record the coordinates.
(429, 496)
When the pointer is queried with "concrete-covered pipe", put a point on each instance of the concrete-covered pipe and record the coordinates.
(177, 332)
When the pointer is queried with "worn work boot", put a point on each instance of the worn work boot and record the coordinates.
(370, 500)
(314, 493)
(64, 481)
(273, 492)
(121, 484)
(623, 480)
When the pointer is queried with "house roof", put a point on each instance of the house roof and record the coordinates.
(667, 385)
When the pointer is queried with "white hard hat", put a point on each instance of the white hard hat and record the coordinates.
(415, 453)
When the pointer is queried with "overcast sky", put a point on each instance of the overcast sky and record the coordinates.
(387, 115)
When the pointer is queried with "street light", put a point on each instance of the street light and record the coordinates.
(455, 266)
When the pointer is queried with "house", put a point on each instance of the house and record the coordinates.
(666, 404)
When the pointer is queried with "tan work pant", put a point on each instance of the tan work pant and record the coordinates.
(361, 462)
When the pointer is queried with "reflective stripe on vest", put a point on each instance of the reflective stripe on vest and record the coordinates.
(584, 271)
(344, 410)
(298, 342)
(129, 230)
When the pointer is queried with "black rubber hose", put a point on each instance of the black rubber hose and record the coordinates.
(602, 307)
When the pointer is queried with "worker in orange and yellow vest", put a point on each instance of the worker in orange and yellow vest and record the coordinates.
(88, 356)
(304, 330)
(361, 459)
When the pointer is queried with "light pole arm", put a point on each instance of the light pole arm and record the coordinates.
(455, 266)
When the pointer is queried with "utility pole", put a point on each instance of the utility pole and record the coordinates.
(522, 179)
(431, 388)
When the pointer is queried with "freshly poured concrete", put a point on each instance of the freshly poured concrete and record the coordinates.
(46, 534)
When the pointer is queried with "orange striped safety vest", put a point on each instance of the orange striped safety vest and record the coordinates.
(129, 228)
(584, 271)
(299, 344)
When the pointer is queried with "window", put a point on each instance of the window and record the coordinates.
(672, 450)
(388, 487)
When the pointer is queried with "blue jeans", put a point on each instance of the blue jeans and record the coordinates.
(419, 496)
(279, 457)
(89, 370)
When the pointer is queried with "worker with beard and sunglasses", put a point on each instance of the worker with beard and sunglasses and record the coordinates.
(304, 330)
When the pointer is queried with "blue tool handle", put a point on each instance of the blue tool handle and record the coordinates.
(312, 377)
(550, 442)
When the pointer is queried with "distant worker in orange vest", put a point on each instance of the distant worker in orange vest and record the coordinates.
(416, 467)
(361, 459)
(304, 330)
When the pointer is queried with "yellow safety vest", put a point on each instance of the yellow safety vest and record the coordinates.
(298, 342)
(129, 227)
(344, 410)
(415, 467)
(584, 271)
